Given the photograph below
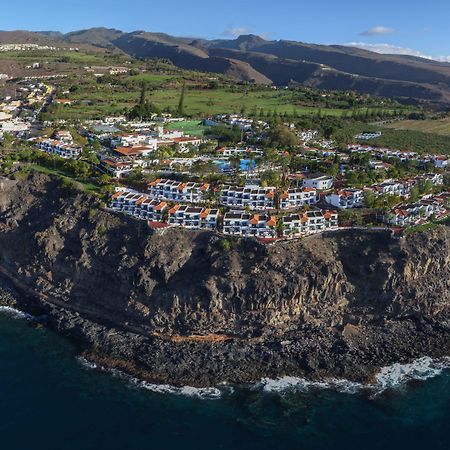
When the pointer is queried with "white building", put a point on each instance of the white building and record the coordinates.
(193, 218)
(253, 197)
(346, 198)
(321, 183)
(309, 222)
(177, 191)
(138, 205)
(237, 223)
(59, 148)
(298, 197)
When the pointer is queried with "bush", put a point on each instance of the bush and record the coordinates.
(225, 245)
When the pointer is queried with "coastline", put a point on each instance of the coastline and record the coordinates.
(180, 310)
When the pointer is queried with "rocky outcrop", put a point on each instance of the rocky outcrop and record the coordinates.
(176, 307)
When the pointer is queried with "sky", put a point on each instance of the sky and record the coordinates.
(388, 26)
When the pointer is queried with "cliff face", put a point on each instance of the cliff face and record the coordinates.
(57, 246)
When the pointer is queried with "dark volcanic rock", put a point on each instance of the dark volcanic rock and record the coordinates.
(175, 307)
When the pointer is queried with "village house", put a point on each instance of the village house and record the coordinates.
(309, 222)
(184, 143)
(64, 136)
(368, 135)
(412, 214)
(391, 187)
(135, 140)
(193, 218)
(441, 162)
(408, 215)
(134, 151)
(253, 197)
(298, 197)
(177, 191)
(321, 183)
(59, 148)
(437, 179)
(116, 167)
(138, 205)
(240, 151)
(308, 135)
(238, 223)
(346, 198)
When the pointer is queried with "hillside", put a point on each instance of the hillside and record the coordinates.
(409, 79)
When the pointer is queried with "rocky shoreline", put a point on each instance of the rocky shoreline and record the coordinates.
(177, 309)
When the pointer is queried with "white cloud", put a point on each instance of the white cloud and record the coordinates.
(378, 31)
(235, 31)
(396, 50)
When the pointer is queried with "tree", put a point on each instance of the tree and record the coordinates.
(281, 136)
(328, 132)
(180, 109)
(369, 199)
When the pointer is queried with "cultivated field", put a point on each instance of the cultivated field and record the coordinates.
(440, 126)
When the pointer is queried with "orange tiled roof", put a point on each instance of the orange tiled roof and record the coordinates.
(154, 183)
(117, 194)
(255, 219)
(204, 214)
(272, 221)
(161, 206)
(140, 200)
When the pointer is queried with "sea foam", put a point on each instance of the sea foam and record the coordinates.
(391, 377)
(207, 393)
(15, 313)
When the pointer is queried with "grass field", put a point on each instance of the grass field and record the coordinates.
(100, 100)
(191, 127)
(441, 126)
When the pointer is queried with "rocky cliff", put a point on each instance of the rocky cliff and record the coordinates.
(176, 307)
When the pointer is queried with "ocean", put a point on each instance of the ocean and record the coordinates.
(52, 400)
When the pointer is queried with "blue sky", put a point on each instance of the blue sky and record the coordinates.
(421, 27)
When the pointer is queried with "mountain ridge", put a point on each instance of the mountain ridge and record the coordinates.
(254, 59)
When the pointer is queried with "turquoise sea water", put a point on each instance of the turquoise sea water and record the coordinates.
(49, 400)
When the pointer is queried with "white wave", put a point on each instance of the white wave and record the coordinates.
(390, 377)
(283, 384)
(420, 369)
(209, 393)
(87, 364)
(15, 313)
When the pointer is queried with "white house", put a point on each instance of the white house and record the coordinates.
(138, 205)
(298, 197)
(346, 198)
(309, 222)
(116, 168)
(321, 183)
(253, 197)
(237, 223)
(177, 191)
(193, 218)
(59, 148)
(441, 162)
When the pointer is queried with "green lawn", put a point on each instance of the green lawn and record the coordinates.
(192, 127)
(84, 186)
(107, 100)
(441, 126)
